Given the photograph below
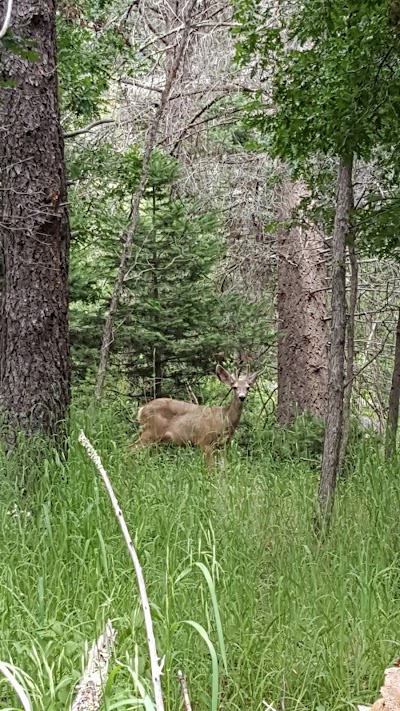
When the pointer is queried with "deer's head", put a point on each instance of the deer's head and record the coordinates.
(239, 383)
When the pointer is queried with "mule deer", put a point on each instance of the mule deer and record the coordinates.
(210, 428)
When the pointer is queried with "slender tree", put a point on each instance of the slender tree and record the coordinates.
(34, 345)
(333, 79)
(350, 348)
(334, 415)
(394, 398)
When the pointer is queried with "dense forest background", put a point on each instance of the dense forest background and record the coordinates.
(186, 184)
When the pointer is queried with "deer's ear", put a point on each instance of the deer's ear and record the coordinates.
(253, 377)
(224, 376)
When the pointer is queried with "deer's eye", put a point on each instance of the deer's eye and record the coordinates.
(234, 387)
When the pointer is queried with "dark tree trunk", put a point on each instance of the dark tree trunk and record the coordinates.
(394, 397)
(303, 345)
(34, 342)
(158, 369)
(334, 417)
(158, 374)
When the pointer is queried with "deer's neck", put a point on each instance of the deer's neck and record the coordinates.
(234, 412)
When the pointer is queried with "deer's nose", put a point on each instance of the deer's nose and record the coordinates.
(242, 396)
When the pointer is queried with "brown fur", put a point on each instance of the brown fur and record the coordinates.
(210, 428)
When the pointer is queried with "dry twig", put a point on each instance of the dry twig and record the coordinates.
(7, 19)
(90, 688)
(86, 129)
(156, 665)
(184, 690)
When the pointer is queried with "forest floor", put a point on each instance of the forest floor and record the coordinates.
(307, 624)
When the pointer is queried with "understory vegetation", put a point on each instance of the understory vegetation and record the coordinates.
(199, 201)
(308, 623)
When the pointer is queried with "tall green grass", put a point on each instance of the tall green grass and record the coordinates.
(306, 623)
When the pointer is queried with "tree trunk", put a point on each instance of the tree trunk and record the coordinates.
(34, 341)
(334, 418)
(158, 369)
(158, 373)
(303, 345)
(394, 397)
(349, 353)
(157, 357)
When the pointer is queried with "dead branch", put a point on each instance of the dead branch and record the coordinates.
(133, 82)
(7, 19)
(184, 691)
(156, 665)
(88, 128)
(372, 360)
(134, 216)
(90, 688)
(193, 120)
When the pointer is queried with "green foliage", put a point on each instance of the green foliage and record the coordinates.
(333, 76)
(88, 50)
(361, 440)
(103, 180)
(170, 308)
(323, 619)
(336, 76)
(378, 223)
(376, 217)
(20, 46)
(303, 440)
(172, 321)
(236, 136)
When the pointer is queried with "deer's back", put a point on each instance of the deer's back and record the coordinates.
(164, 407)
(184, 422)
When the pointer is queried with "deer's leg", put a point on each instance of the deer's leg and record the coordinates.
(209, 457)
(222, 459)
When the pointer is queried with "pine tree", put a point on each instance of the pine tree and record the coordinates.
(173, 322)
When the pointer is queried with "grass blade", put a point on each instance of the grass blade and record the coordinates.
(214, 662)
(218, 623)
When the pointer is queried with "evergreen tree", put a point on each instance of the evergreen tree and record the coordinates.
(173, 320)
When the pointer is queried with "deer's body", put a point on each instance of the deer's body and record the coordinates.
(210, 428)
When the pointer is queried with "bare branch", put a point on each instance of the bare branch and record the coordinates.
(7, 19)
(134, 216)
(88, 128)
(133, 82)
(159, 38)
(368, 363)
(184, 690)
(156, 666)
(193, 121)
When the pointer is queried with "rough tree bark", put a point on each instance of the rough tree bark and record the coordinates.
(34, 341)
(334, 417)
(303, 346)
(394, 398)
